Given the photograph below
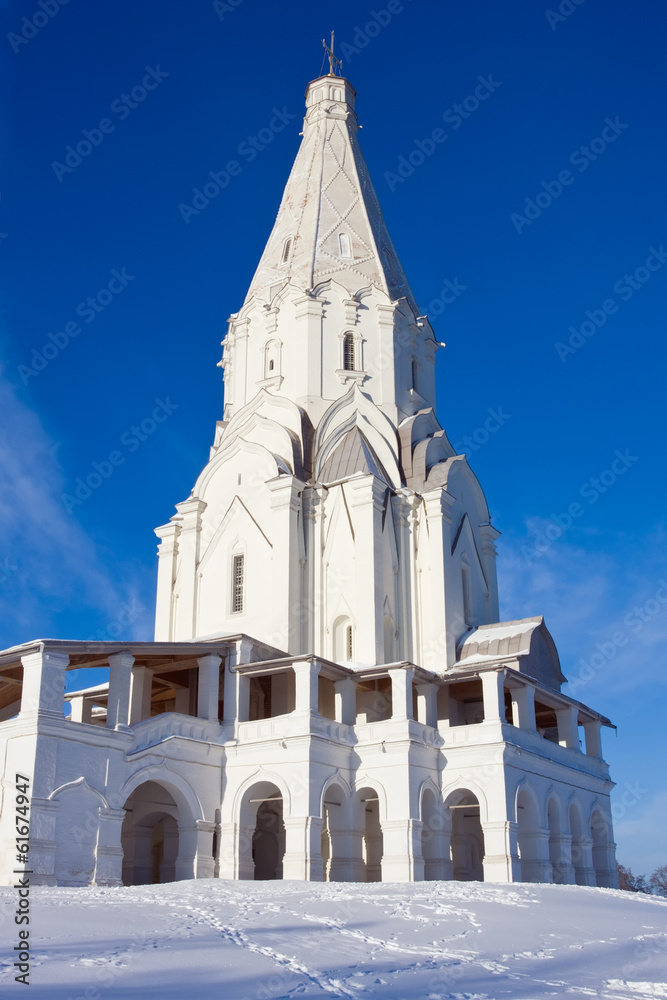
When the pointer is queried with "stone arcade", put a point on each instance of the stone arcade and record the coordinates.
(329, 694)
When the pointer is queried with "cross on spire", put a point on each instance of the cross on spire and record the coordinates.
(334, 62)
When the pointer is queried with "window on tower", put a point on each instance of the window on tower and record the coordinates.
(238, 581)
(344, 244)
(287, 249)
(413, 374)
(348, 353)
(349, 643)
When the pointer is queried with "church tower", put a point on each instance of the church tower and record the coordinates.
(334, 517)
(330, 694)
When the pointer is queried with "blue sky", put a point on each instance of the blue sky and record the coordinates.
(541, 207)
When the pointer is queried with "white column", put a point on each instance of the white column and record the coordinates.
(568, 729)
(401, 692)
(427, 704)
(346, 701)
(593, 733)
(440, 629)
(501, 858)
(140, 693)
(303, 849)
(523, 708)
(120, 681)
(82, 709)
(166, 576)
(403, 516)
(307, 685)
(402, 859)
(493, 693)
(109, 852)
(209, 686)
(367, 495)
(287, 560)
(43, 688)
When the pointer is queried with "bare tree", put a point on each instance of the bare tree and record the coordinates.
(629, 882)
(658, 881)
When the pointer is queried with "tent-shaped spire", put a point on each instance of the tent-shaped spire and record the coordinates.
(330, 224)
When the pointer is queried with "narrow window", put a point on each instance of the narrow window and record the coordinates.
(413, 374)
(237, 583)
(344, 243)
(348, 352)
(287, 249)
(271, 365)
(348, 642)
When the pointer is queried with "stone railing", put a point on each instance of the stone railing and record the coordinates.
(493, 732)
(150, 732)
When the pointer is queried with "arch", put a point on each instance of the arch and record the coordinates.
(181, 791)
(580, 846)
(368, 809)
(557, 847)
(533, 852)
(435, 834)
(272, 357)
(349, 353)
(355, 408)
(343, 633)
(261, 785)
(150, 835)
(338, 856)
(262, 831)
(77, 830)
(603, 847)
(467, 836)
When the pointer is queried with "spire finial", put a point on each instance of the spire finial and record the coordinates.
(334, 62)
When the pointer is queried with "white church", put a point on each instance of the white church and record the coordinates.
(330, 694)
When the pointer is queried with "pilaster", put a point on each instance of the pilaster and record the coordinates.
(367, 502)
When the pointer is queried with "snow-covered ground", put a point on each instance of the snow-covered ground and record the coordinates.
(270, 940)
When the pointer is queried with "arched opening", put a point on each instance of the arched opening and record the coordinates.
(372, 843)
(558, 861)
(534, 867)
(338, 865)
(262, 833)
(149, 836)
(601, 834)
(349, 359)
(578, 845)
(467, 837)
(435, 851)
(343, 640)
